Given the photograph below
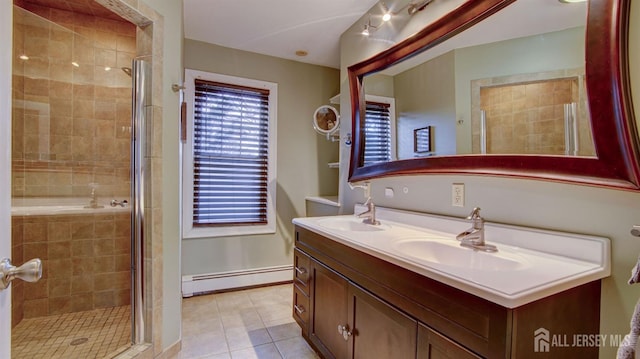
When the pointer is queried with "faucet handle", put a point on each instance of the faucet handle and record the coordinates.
(475, 214)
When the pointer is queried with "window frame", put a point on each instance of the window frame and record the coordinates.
(191, 231)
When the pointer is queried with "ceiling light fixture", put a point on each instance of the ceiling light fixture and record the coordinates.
(24, 57)
(417, 6)
(365, 31)
(571, 1)
(387, 13)
(368, 28)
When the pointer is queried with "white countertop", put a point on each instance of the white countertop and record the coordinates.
(530, 263)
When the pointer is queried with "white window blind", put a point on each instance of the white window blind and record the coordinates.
(230, 154)
(377, 131)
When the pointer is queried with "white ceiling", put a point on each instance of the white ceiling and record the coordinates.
(275, 27)
(281, 27)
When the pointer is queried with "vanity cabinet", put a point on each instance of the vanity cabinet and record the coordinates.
(348, 322)
(433, 345)
(361, 306)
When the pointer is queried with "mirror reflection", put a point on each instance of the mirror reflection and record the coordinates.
(326, 119)
(511, 84)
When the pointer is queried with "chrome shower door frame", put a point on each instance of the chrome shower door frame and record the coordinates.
(141, 115)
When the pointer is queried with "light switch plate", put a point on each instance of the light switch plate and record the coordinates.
(457, 194)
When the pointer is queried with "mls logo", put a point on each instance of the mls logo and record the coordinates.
(541, 340)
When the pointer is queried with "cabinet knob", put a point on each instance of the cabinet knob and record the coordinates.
(344, 331)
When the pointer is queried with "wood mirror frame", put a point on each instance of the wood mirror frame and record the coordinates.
(607, 82)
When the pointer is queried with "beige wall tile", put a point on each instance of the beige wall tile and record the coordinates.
(36, 308)
(59, 305)
(37, 290)
(60, 267)
(59, 250)
(82, 266)
(35, 232)
(104, 264)
(59, 287)
(104, 299)
(82, 283)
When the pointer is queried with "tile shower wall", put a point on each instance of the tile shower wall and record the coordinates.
(525, 113)
(86, 263)
(71, 127)
(72, 104)
(529, 117)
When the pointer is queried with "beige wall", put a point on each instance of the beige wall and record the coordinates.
(422, 103)
(540, 204)
(301, 159)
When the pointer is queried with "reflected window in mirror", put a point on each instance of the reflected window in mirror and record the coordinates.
(378, 123)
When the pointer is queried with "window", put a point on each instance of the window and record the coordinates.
(379, 126)
(229, 156)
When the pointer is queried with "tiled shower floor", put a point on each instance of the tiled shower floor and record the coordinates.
(99, 333)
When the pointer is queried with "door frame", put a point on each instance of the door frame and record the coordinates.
(6, 37)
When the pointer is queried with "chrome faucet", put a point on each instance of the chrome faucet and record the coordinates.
(369, 214)
(474, 236)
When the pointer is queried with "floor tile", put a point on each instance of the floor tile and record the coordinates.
(265, 351)
(295, 348)
(256, 323)
(204, 344)
(248, 318)
(241, 338)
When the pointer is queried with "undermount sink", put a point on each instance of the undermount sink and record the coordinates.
(350, 224)
(453, 255)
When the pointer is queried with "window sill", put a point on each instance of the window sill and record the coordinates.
(213, 232)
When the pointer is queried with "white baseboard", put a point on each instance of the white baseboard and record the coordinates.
(203, 283)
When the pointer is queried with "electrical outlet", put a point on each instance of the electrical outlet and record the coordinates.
(457, 194)
(388, 192)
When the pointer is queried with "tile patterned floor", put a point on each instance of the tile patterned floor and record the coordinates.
(248, 324)
(100, 333)
(254, 323)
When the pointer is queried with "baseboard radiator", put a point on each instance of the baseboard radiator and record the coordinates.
(211, 282)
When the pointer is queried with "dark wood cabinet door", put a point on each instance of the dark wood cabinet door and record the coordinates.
(377, 329)
(432, 345)
(329, 310)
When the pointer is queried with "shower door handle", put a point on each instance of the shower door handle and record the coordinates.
(30, 271)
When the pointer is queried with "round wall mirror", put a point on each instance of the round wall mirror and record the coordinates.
(326, 120)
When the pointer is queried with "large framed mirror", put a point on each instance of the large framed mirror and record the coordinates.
(517, 88)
